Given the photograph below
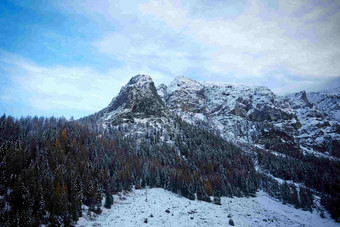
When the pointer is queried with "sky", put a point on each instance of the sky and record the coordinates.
(70, 58)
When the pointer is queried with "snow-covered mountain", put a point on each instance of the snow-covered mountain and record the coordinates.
(255, 115)
(275, 131)
(181, 138)
(238, 111)
(245, 115)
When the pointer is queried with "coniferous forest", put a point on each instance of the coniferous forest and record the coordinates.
(49, 167)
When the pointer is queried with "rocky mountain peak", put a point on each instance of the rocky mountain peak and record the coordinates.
(241, 113)
(140, 79)
(185, 94)
(302, 95)
(182, 82)
(138, 99)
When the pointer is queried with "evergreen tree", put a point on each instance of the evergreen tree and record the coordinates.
(108, 200)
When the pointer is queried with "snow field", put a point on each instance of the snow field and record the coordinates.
(132, 210)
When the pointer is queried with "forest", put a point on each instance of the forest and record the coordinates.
(51, 167)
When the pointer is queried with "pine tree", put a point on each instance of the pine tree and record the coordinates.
(217, 198)
(108, 200)
(285, 193)
(306, 198)
(294, 196)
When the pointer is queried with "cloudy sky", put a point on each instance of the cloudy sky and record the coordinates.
(69, 58)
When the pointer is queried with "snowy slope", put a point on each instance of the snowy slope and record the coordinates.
(132, 210)
(318, 132)
(327, 101)
(244, 114)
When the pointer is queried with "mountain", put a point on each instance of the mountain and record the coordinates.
(293, 138)
(320, 130)
(200, 140)
(255, 115)
(233, 109)
(249, 116)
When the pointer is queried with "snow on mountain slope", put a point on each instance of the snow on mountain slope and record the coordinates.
(328, 101)
(245, 114)
(239, 112)
(317, 132)
(184, 94)
(132, 210)
(162, 89)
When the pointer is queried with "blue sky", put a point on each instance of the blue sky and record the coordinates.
(70, 58)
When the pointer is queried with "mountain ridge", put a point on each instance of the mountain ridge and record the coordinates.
(242, 114)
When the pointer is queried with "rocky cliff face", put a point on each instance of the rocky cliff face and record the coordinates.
(255, 115)
(245, 115)
(319, 130)
(137, 100)
(239, 112)
(327, 101)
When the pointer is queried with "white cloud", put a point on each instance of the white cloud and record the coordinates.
(138, 52)
(262, 39)
(248, 41)
(59, 87)
(174, 37)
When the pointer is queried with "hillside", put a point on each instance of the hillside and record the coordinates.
(201, 140)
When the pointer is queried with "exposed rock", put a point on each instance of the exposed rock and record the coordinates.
(138, 99)
(328, 102)
(245, 115)
(241, 113)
